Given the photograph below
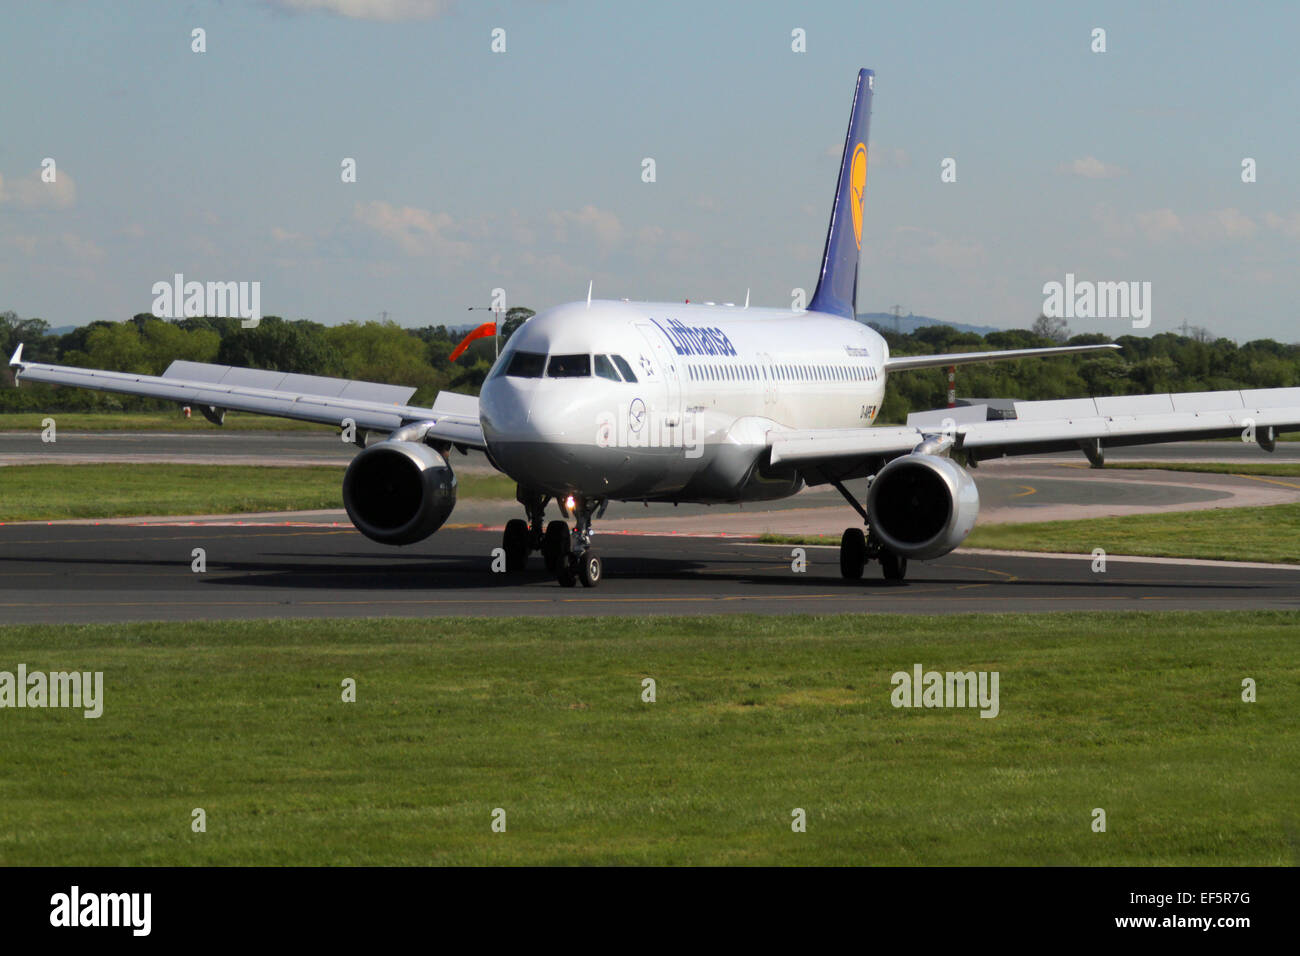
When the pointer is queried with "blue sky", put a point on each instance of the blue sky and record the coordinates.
(522, 170)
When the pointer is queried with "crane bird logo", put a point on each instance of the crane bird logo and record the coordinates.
(857, 186)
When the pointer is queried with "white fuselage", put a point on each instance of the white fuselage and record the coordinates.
(561, 413)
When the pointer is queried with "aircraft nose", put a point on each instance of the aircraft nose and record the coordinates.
(504, 406)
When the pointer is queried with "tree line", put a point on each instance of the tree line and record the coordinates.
(1166, 362)
(368, 351)
(386, 352)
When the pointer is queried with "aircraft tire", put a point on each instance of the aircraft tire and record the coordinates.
(514, 541)
(555, 545)
(853, 554)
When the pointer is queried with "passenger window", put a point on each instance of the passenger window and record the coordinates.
(623, 367)
(569, 366)
(605, 368)
(526, 365)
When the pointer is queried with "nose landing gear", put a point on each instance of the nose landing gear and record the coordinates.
(579, 562)
(567, 554)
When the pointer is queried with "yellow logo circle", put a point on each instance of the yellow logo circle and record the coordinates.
(858, 186)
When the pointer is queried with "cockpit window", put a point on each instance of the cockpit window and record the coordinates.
(628, 375)
(526, 365)
(605, 368)
(569, 366)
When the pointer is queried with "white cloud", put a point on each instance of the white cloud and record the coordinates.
(64, 248)
(1289, 226)
(1090, 167)
(386, 10)
(601, 223)
(911, 245)
(418, 232)
(31, 192)
(1160, 224)
(1231, 224)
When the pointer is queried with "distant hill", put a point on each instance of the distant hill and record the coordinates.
(910, 323)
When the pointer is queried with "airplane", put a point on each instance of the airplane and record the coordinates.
(598, 401)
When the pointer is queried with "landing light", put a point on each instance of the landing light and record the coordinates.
(569, 503)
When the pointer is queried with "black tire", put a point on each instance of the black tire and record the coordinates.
(555, 545)
(893, 566)
(514, 540)
(568, 573)
(589, 569)
(853, 554)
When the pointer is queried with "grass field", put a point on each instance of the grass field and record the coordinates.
(1277, 469)
(52, 492)
(1270, 533)
(1139, 714)
(150, 421)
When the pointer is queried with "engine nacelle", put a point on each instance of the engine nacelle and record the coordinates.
(922, 506)
(399, 492)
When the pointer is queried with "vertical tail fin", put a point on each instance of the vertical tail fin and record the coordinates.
(837, 287)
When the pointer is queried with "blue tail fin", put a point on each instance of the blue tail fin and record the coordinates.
(837, 287)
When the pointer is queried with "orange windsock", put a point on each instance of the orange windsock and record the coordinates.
(486, 329)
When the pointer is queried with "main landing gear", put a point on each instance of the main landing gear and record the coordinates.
(567, 554)
(857, 548)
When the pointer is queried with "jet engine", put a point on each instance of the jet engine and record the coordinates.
(399, 492)
(922, 506)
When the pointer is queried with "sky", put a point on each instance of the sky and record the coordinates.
(522, 170)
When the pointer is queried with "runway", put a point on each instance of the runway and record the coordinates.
(126, 572)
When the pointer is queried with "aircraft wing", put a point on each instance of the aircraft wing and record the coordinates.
(1085, 424)
(213, 389)
(901, 363)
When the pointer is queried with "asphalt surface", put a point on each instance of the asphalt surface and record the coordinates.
(122, 572)
(658, 560)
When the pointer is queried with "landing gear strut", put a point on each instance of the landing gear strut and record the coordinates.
(577, 562)
(858, 549)
(568, 554)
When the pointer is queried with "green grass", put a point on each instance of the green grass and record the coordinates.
(1279, 469)
(151, 421)
(1269, 533)
(1139, 714)
(53, 492)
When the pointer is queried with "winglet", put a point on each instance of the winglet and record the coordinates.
(17, 359)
